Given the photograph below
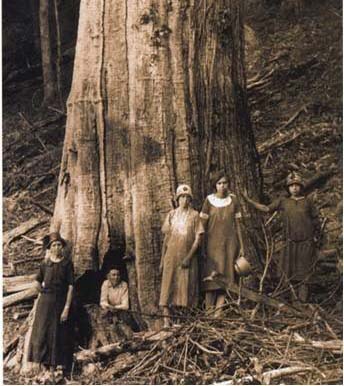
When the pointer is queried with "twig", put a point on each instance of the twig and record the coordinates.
(274, 214)
(23, 261)
(41, 206)
(37, 242)
(293, 117)
(330, 330)
(31, 126)
(57, 110)
(23, 228)
(186, 354)
(205, 349)
(173, 370)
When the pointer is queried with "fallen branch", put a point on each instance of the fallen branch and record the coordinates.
(22, 330)
(37, 242)
(252, 295)
(293, 117)
(273, 374)
(334, 345)
(8, 270)
(42, 207)
(268, 376)
(86, 356)
(20, 315)
(23, 228)
(18, 283)
(204, 349)
(33, 129)
(18, 297)
(23, 261)
(259, 80)
(278, 140)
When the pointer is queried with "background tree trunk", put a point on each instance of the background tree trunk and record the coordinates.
(34, 7)
(49, 80)
(158, 98)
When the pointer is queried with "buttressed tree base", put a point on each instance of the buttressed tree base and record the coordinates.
(158, 98)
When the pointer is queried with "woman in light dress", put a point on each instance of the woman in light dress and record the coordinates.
(182, 231)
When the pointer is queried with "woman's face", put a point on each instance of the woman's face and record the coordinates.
(184, 201)
(222, 186)
(114, 277)
(56, 248)
(295, 189)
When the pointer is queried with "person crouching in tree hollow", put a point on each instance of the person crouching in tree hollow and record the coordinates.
(114, 302)
(301, 222)
(51, 340)
(221, 217)
(114, 293)
(179, 265)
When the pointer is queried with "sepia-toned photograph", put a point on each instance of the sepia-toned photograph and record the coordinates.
(172, 192)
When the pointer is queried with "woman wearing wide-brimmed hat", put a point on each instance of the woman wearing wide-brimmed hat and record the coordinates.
(221, 217)
(300, 220)
(51, 339)
(182, 230)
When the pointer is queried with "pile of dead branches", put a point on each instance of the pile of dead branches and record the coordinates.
(233, 349)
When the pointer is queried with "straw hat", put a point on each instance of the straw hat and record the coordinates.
(183, 189)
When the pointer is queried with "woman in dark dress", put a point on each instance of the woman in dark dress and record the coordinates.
(300, 222)
(221, 217)
(51, 340)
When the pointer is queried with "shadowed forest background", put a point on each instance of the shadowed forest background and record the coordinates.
(293, 59)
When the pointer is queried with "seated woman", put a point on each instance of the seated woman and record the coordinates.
(114, 303)
(114, 292)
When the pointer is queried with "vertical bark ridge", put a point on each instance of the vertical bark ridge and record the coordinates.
(176, 98)
(103, 242)
(116, 119)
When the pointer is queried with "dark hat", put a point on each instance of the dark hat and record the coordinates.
(294, 178)
(49, 239)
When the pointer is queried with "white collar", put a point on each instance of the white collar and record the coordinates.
(297, 198)
(219, 202)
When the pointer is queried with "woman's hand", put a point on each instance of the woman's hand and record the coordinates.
(64, 315)
(38, 286)
(245, 195)
(186, 262)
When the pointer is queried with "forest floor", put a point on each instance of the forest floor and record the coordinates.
(295, 94)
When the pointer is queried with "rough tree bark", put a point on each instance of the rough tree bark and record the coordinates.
(158, 98)
(49, 80)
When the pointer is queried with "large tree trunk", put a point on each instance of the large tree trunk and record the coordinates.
(158, 98)
(49, 80)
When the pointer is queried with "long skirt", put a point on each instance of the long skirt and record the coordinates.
(51, 341)
(297, 260)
